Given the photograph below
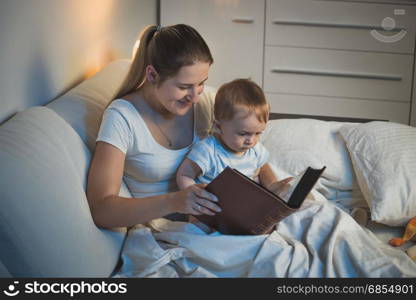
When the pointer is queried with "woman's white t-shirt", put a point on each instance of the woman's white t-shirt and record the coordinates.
(150, 169)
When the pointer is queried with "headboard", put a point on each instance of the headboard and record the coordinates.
(274, 116)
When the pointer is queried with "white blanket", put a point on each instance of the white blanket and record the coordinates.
(319, 240)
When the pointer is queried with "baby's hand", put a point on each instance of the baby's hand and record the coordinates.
(281, 187)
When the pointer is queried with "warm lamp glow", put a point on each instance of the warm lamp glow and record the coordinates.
(94, 24)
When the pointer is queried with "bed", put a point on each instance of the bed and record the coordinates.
(365, 197)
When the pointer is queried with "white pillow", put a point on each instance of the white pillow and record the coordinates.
(384, 160)
(295, 144)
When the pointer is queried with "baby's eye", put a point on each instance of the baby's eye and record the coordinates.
(242, 133)
(183, 88)
(259, 133)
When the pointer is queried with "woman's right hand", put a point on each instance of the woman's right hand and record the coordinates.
(195, 200)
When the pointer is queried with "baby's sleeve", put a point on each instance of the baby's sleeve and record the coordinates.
(201, 154)
(115, 130)
(262, 155)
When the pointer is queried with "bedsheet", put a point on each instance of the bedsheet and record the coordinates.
(319, 240)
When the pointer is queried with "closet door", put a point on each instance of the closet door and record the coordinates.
(339, 58)
(234, 31)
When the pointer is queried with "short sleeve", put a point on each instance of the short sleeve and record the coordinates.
(201, 154)
(262, 154)
(115, 130)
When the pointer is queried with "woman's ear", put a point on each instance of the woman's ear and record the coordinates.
(151, 74)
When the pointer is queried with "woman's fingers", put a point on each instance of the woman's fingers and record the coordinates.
(205, 202)
(209, 205)
(196, 209)
(202, 193)
(200, 209)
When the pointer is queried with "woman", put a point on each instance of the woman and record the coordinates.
(147, 131)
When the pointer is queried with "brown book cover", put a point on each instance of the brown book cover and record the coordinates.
(247, 208)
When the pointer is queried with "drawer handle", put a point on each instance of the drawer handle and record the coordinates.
(243, 20)
(353, 26)
(339, 74)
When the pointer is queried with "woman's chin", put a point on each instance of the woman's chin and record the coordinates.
(182, 109)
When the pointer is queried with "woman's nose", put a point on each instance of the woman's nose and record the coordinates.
(193, 95)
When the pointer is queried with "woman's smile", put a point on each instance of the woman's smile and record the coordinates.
(185, 102)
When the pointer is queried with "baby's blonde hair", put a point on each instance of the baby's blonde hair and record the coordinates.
(237, 93)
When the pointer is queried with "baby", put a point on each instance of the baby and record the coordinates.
(241, 113)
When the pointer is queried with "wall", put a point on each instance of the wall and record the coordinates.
(48, 46)
(413, 108)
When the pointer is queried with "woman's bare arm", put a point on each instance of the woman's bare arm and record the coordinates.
(110, 210)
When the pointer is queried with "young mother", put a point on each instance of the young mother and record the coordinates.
(149, 128)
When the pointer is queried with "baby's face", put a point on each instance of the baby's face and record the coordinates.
(242, 132)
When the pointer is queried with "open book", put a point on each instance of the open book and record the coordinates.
(249, 208)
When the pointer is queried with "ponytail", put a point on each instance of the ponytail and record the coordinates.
(136, 75)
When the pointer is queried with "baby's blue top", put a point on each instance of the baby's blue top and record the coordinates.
(213, 158)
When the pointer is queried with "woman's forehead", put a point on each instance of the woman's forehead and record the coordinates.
(192, 74)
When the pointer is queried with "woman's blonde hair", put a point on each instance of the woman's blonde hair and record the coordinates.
(167, 49)
(244, 93)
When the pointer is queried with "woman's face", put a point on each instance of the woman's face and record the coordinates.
(177, 94)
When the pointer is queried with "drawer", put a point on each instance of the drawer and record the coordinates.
(341, 25)
(337, 73)
(339, 107)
